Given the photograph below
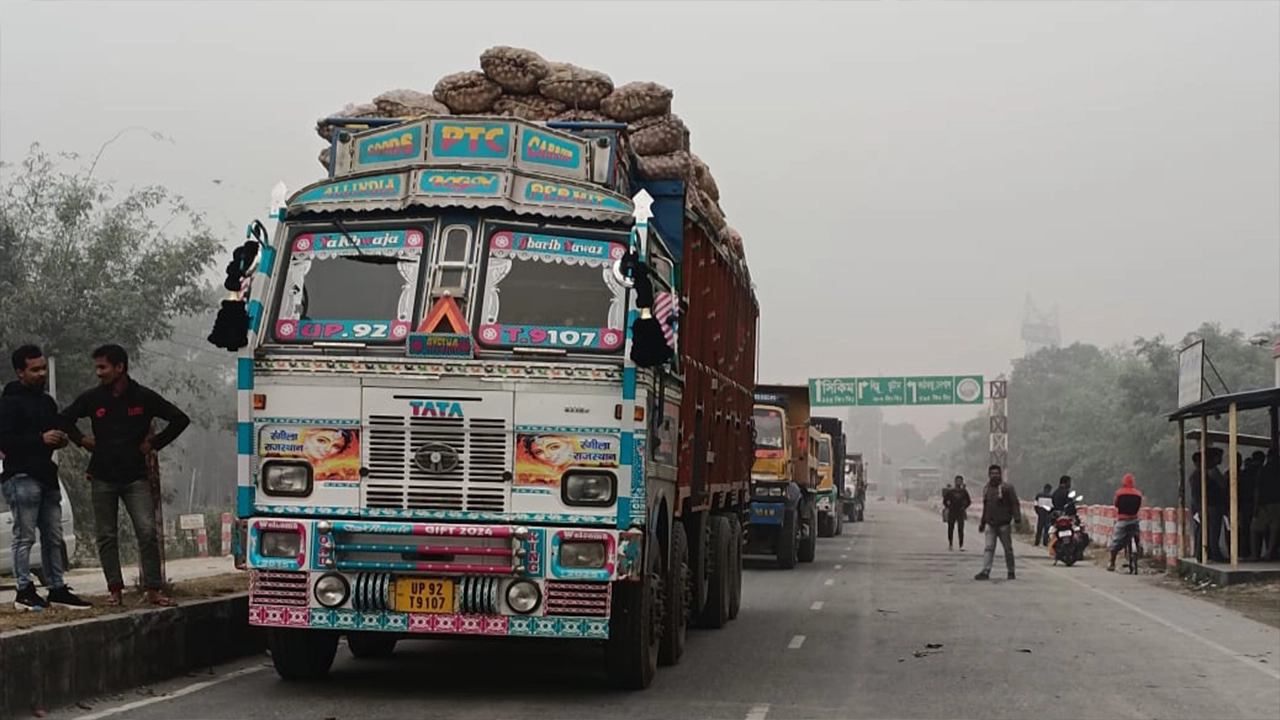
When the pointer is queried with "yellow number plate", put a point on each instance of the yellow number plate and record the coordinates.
(424, 595)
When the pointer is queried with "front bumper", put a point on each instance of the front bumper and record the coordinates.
(479, 565)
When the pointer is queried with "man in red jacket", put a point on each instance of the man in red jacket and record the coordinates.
(1128, 502)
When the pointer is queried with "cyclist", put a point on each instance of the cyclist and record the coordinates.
(1127, 503)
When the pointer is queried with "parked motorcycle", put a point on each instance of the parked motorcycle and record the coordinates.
(1068, 537)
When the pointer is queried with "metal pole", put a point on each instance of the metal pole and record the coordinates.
(1204, 489)
(157, 504)
(1182, 486)
(1235, 484)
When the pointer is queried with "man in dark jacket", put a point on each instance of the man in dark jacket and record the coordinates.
(29, 434)
(955, 502)
(121, 413)
(1044, 503)
(1062, 496)
(1000, 510)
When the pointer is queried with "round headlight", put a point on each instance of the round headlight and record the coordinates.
(523, 596)
(332, 590)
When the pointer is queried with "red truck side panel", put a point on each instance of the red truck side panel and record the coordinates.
(718, 353)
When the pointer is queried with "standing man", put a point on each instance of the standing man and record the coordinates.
(1044, 503)
(1000, 510)
(955, 502)
(120, 411)
(28, 436)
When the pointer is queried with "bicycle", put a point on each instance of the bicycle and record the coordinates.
(1131, 553)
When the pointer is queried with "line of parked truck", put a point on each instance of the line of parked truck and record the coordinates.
(805, 484)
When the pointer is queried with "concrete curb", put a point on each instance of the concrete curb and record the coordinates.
(55, 665)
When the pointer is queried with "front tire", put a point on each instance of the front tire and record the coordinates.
(735, 599)
(809, 544)
(789, 539)
(635, 628)
(302, 654)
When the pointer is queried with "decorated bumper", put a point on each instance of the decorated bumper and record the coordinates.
(437, 579)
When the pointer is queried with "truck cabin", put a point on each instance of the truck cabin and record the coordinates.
(527, 275)
(825, 471)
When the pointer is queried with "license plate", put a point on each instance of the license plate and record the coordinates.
(1064, 533)
(424, 595)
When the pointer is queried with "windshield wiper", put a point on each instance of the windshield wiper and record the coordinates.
(376, 259)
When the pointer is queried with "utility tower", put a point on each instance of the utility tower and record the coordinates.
(1039, 329)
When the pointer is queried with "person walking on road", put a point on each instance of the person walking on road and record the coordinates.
(1000, 511)
(955, 503)
(1044, 503)
(29, 434)
(121, 411)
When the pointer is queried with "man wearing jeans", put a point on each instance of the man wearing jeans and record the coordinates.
(120, 411)
(28, 436)
(1000, 510)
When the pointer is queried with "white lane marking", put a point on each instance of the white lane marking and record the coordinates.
(844, 557)
(829, 582)
(796, 642)
(1171, 625)
(758, 712)
(175, 694)
(817, 605)
(839, 566)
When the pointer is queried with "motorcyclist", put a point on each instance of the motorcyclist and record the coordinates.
(1063, 503)
(1128, 502)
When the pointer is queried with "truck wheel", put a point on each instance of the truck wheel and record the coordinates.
(369, 645)
(809, 542)
(839, 518)
(826, 525)
(302, 654)
(789, 539)
(699, 537)
(676, 595)
(635, 628)
(716, 612)
(735, 596)
(860, 515)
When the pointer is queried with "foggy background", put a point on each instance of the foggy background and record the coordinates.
(903, 174)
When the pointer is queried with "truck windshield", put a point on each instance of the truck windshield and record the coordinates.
(552, 292)
(349, 286)
(824, 451)
(768, 428)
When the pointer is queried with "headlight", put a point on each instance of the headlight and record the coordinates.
(772, 490)
(276, 544)
(332, 590)
(582, 554)
(523, 596)
(290, 479)
(588, 488)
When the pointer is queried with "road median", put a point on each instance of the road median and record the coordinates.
(52, 665)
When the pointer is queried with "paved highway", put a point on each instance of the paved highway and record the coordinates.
(847, 636)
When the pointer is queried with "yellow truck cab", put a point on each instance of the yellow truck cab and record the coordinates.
(784, 476)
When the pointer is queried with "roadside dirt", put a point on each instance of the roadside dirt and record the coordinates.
(1257, 601)
(183, 591)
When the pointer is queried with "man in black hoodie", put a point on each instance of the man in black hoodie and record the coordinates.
(28, 436)
(121, 411)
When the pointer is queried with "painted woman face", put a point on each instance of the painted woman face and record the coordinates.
(553, 450)
(321, 444)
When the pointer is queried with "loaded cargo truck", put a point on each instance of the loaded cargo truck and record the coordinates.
(783, 520)
(831, 449)
(448, 422)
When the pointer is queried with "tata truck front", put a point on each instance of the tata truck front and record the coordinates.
(444, 429)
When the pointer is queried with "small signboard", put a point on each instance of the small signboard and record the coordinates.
(1191, 374)
(191, 522)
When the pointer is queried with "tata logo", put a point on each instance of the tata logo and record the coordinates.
(436, 408)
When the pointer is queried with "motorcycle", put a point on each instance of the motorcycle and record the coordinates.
(1068, 538)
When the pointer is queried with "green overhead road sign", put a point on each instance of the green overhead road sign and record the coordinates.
(901, 390)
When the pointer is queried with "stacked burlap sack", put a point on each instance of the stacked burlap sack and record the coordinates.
(516, 82)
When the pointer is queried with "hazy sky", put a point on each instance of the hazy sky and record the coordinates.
(903, 173)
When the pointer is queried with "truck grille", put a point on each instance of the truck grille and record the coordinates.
(477, 483)
(591, 599)
(278, 587)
